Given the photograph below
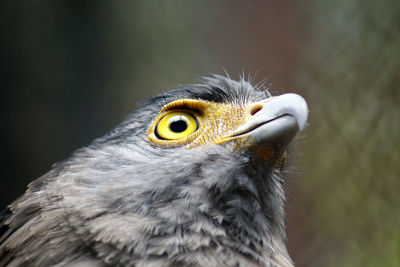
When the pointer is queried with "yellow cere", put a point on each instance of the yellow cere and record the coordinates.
(191, 123)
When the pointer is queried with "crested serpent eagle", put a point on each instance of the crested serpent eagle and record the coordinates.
(192, 178)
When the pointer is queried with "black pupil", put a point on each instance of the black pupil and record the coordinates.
(178, 126)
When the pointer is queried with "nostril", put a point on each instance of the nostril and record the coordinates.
(256, 108)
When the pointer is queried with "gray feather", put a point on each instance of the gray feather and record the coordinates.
(124, 202)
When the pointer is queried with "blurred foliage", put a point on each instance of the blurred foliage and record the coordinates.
(351, 69)
(71, 70)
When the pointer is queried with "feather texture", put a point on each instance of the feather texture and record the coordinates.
(124, 202)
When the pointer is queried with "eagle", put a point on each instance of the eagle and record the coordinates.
(194, 177)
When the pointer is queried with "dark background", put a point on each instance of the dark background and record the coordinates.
(71, 70)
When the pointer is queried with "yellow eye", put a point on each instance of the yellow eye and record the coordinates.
(176, 125)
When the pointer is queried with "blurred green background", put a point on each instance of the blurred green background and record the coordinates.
(71, 70)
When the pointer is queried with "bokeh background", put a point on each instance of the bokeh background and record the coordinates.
(71, 70)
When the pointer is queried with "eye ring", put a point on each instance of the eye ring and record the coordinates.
(176, 125)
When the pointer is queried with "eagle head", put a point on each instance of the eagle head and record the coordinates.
(192, 178)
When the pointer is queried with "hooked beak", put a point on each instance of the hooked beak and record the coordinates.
(272, 122)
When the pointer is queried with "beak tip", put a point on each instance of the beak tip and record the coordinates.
(298, 108)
